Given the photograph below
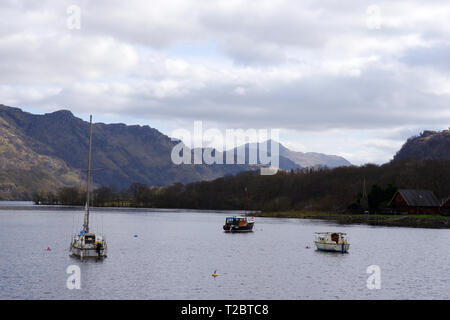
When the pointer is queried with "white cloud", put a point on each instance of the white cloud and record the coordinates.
(308, 67)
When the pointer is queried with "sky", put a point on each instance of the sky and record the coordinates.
(351, 78)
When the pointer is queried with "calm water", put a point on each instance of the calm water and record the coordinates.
(175, 253)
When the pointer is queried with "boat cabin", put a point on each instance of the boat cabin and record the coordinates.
(330, 237)
(89, 238)
(235, 221)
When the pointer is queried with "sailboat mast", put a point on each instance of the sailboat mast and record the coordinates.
(365, 200)
(86, 216)
(364, 188)
(245, 206)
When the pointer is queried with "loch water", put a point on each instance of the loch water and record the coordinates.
(171, 254)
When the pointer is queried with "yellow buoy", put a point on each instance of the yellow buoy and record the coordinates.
(215, 274)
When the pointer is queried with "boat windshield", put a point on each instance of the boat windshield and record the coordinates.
(230, 220)
(233, 220)
(89, 239)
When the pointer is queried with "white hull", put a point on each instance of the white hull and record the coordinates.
(341, 247)
(87, 252)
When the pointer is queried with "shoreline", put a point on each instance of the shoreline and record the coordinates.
(409, 221)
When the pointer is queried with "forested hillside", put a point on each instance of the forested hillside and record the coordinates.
(334, 190)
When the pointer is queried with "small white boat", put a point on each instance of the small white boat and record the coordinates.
(88, 244)
(332, 241)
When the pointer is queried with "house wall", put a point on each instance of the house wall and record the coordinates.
(445, 208)
(399, 205)
(428, 210)
(416, 210)
(398, 201)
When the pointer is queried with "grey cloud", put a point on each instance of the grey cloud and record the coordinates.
(378, 98)
(277, 64)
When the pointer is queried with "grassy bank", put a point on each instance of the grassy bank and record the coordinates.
(414, 221)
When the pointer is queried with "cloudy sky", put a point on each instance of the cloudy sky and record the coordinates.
(352, 78)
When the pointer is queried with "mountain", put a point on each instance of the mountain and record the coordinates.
(45, 152)
(288, 159)
(427, 145)
(22, 169)
(252, 155)
(314, 159)
(294, 160)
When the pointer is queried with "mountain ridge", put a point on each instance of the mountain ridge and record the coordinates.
(307, 159)
(428, 145)
(42, 152)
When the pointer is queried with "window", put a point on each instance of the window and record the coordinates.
(89, 239)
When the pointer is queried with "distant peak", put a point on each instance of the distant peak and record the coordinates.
(272, 142)
(7, 108)
(62, 113)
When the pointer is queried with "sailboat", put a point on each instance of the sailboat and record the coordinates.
(240, 223)
(87, 244)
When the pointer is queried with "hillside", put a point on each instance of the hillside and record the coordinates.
(324, 190)
(41, 152)
(45, 152)
(312, 159)
(337, 190)
(23, 170)
(293, 160)
(428, 145)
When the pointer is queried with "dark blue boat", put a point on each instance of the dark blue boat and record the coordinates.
(239, 224)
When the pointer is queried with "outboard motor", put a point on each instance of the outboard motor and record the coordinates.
(98, 248)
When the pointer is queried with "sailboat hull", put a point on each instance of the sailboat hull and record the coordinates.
(245, 228)
(332, 247)
(87, 253)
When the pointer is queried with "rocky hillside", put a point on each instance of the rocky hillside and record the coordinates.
(24, 169)
(313, 159)
(428, 145)
(43, 152)
(294, 159)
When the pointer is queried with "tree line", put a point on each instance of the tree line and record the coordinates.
(333, 190)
